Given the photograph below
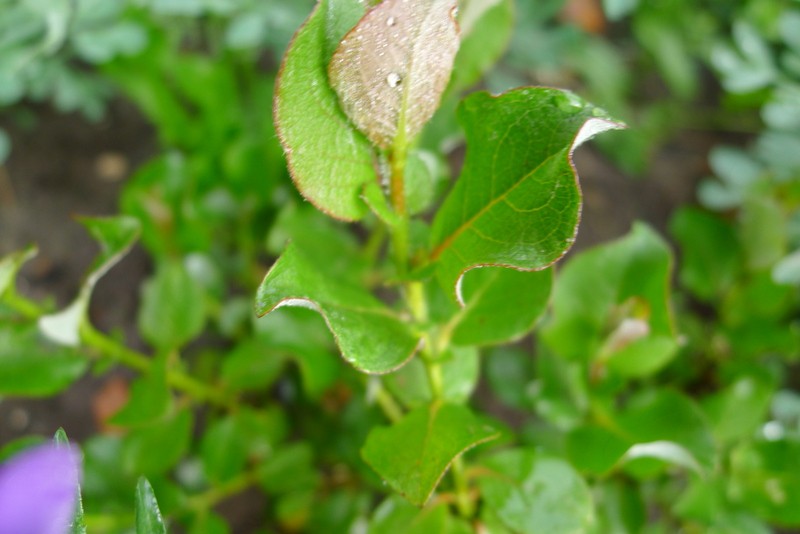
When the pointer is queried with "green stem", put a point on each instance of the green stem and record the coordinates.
(388, 404)
(202, 502)
(27, 308)
(397, 195)
(464, 504)
(111, 348)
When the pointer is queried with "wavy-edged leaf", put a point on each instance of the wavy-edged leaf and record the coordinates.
(517, 202)
(148, 515)
(369, 334)
(501, 305)
(392, 68)
(328, 159)
(530, 492)
(116, 236)
(413, 454)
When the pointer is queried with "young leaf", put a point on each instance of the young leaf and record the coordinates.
(116, 236)
(535, 493)
(328, 159)
(459, 379)
(413, 455)
(392, 68)
(367, 332)
(148, 516)
(517, 202)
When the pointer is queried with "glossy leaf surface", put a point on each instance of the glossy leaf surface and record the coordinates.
(501, 305)
(330, 162)
(413, 454)
(392, 68)
(517, 202)
(148, 515)
(369, 334)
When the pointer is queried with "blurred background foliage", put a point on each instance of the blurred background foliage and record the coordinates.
(276, 409)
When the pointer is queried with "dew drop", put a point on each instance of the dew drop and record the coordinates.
(393, 79)
(391, 21)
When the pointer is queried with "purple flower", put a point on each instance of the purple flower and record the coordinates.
(39, 491)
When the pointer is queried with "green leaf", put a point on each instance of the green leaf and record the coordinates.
(392, 68)
(510, 373)
(517, 201)
(78, 525)
(370, 336)
(330, 162)
(173, 307)
(150, 397)
(502, 305)
(223, 448)
(460, 370)
(764, 480)
(711, 254)
(763, 232)
(32, 366)
(148, 516)
(486, 29)
(530, 492)
(396, 516)
(289, 469)
(665, 416)
(153, 449)
(252, 365)
(737, 411)
(413, 454)
(610, 299)
(10, 266)
(594, 449)
(116, 236)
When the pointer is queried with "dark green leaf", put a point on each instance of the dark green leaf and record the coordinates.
(330, 162)
(530, 492)
(252, 365)
(510, 372)
(148, 516)
(413, 454)
(501, 305)
(594, 449)
(370, 336)
(173, 307)
(31, 366)
(517, 201)
(391, 69)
